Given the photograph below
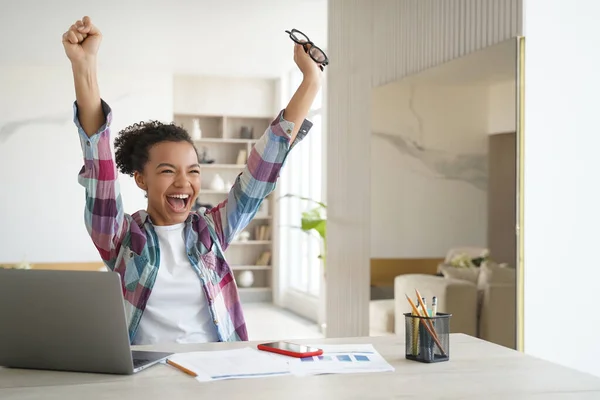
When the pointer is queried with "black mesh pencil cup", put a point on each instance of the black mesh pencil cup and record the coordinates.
(428, 339)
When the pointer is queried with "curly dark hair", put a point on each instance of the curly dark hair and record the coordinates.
(133, 143)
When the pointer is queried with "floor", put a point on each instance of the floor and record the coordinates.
(268, 322)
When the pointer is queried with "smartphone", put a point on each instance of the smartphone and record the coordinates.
(290, 349)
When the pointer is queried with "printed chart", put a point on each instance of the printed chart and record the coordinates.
(341, 359)
(338, 358)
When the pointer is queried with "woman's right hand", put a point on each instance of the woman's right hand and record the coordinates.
(82, 41)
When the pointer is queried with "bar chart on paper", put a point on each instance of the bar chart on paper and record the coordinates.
(341, 359)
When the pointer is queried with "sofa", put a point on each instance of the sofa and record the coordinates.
(482, 302)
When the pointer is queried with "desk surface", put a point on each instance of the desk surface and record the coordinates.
(476, 370)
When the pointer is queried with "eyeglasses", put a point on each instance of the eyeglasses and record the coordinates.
(313, 51)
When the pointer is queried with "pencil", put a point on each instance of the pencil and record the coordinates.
(427, 320)
(420, 299)
(431, 332)
(183, 369)
(415, 335)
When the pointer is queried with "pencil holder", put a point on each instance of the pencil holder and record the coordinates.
(428, 339)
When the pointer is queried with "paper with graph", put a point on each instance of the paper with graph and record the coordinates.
(252, 363)
(231, 364)
(341, 359)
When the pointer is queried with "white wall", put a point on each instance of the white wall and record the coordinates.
(428, 169)
(238, 97)
(200, 37)
(40, 155)
(562, 195)
(41, 202)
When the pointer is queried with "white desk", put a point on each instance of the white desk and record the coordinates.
(476, 370)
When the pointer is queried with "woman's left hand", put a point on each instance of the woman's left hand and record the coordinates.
(308, 67)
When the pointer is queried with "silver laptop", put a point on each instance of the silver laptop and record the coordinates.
(67, 321)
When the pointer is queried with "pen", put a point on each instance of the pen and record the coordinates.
(434, 306)
(424, 307)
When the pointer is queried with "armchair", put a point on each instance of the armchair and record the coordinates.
(482, 301)
(454, 296)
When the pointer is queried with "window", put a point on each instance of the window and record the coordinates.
(299, 263)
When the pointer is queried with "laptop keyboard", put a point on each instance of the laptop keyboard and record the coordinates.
(138, 362)
(145, 358)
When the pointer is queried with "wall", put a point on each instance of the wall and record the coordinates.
(502, 101)
(36, 124)
(225, 38)
(428, 168)
(41, 207)
(502, 197)
(239, 97)
(562, 216)
(372, 43)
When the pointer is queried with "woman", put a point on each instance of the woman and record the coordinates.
(176, 283)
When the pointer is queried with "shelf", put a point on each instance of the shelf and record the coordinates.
(250, 267)
(209, 191)
(230, 126)
(226, 141)
(250, 242)
(196, 115)
(254, 289)
(210, 125)
(223, 166)
(255, 294)
(265, 117)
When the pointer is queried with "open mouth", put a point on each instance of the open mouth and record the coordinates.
(178, 202)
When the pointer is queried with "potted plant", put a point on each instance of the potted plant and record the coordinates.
(21, 265)
(314, 222)
(465, 261)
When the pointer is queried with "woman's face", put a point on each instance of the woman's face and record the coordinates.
(171, 177)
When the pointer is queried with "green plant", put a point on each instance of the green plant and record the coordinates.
(465, 261)
(21, 265)
(314, 221)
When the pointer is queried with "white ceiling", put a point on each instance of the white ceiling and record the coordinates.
(225, 37)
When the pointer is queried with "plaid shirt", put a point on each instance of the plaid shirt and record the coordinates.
(128, 244)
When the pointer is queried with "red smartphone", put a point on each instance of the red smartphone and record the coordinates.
(290, 349)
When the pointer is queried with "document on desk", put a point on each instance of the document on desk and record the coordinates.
(231, 364)
(252, 363)
(341, 359)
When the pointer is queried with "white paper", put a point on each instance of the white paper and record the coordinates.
(341, 359)
(231, 364)
(248, 362)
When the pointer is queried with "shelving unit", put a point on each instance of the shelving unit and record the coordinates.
(222, 144)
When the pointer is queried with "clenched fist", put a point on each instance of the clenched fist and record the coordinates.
(81, 41)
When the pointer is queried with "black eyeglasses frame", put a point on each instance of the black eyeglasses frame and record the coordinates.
(312, 45)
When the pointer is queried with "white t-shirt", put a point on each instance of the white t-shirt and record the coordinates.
(177, 310)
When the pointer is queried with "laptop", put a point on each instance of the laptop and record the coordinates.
(67, 321)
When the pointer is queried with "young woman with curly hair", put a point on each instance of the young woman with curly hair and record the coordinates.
(176, 282)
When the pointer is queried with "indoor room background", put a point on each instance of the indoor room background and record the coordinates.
(185, 45)
(227, 67)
